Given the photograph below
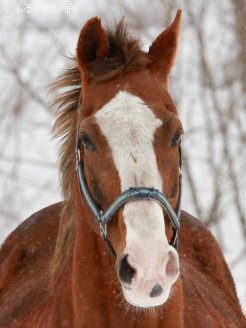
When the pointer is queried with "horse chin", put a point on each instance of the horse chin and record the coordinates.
(145, 301)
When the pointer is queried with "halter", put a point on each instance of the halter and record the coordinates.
(103, 217)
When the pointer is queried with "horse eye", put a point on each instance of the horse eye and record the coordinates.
(176, 140)
(87, 142)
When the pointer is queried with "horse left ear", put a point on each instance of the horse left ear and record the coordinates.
(93, 45)
(163, 49)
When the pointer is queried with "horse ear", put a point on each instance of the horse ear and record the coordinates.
(163, 49)
(93, 45)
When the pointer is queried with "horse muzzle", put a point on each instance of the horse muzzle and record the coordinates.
(146, 282)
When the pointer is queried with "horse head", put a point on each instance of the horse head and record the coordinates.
(129, 139)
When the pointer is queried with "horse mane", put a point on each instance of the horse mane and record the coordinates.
(125, 53)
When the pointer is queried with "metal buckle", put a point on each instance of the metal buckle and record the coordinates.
(102, 225)
(103, 230)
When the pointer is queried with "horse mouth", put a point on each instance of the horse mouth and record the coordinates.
(142, 300)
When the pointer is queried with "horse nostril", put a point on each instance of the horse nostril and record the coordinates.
(156, 291)
(126, 271)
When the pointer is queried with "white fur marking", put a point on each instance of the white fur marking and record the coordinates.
(129, 126)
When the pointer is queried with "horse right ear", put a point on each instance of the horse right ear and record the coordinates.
(93, 45)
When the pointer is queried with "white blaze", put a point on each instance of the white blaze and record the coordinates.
(129, 126)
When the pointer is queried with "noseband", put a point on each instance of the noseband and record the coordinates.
(103, 217)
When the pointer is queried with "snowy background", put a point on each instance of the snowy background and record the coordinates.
(208, 85)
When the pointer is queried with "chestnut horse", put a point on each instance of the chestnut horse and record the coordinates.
(122, 190)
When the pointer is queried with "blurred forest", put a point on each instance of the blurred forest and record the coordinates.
(208, 85)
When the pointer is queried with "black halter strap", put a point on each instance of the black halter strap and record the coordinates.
(132, 194)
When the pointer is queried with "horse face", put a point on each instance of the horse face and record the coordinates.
(130, 144)
(131, 139)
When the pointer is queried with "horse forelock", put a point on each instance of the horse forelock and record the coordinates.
(124, 53)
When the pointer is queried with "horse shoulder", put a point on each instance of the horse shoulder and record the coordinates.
(24, 264)
(201, 246)
(205, 274)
